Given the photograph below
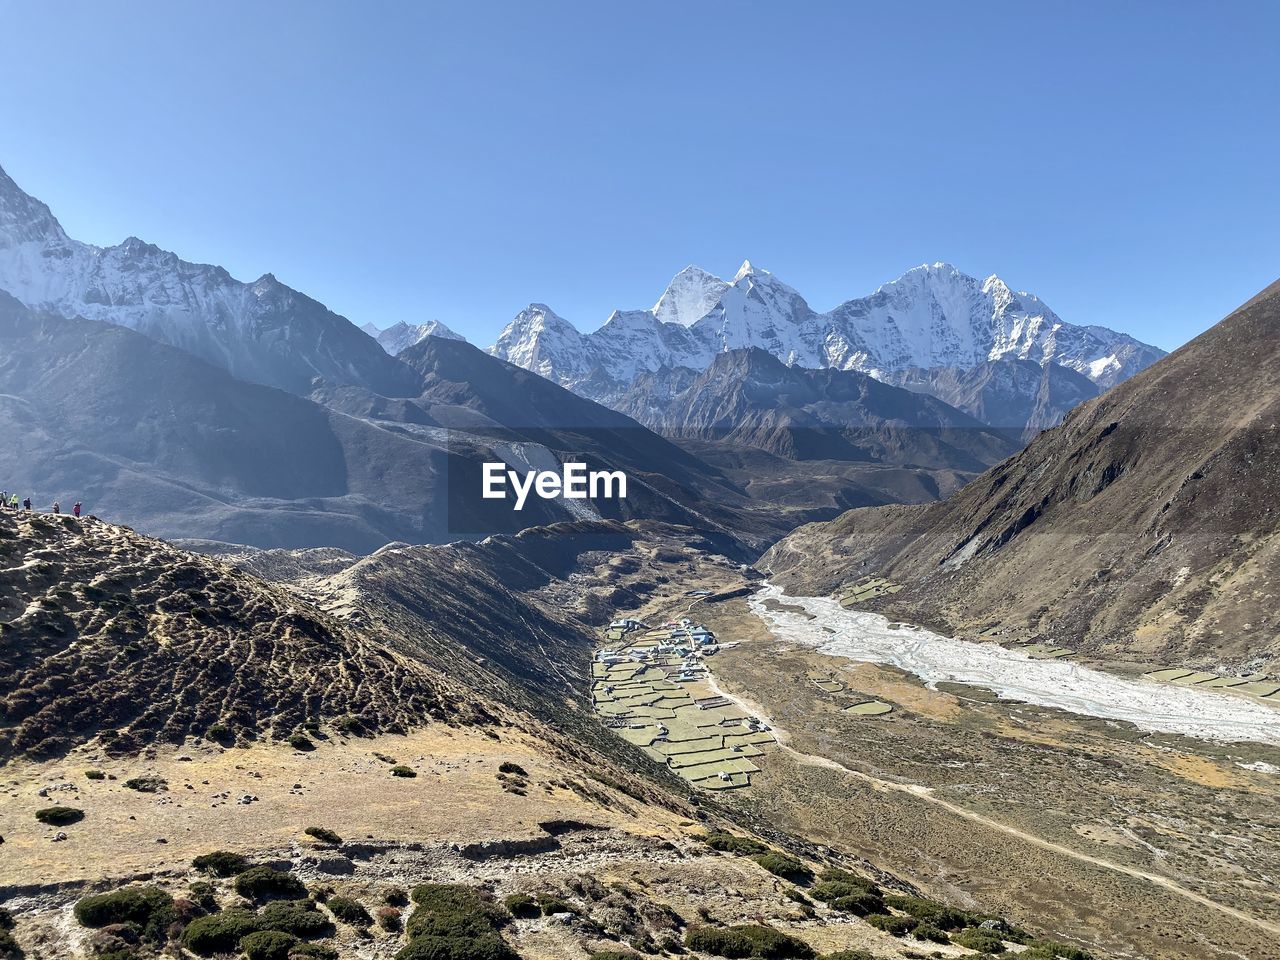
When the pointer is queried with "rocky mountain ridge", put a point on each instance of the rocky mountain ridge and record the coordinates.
(749, 397)
(400, 335)
(1147, 525)
(264, 332)
(932, 316)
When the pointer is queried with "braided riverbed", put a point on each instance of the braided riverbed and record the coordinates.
(1147, 704)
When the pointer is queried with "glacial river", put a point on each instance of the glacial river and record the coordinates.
(1148, 704)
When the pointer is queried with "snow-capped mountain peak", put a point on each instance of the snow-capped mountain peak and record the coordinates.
(540, 340)
(261, 331)
(934, 315)
(400, 336)
(689, 297)
(23, 218)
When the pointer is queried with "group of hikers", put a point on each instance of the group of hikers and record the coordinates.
(9, 501)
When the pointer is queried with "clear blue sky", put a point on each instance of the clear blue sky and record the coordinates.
(406, 161)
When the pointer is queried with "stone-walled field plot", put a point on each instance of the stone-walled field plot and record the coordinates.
(652, 688)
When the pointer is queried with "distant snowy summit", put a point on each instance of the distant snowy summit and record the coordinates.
(400, 336)
(931, 317)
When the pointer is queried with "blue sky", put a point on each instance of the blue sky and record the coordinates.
(413, 161)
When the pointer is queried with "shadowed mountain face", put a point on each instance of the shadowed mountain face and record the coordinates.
(141, 431)
(529, 421)
(749, 398)
(146, 433)
(1015, 395)
(1146, 524)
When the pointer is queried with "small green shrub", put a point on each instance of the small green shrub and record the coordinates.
(147, 784)
(848, 892)
(486, 946)
(850, 883)
(781, 865)
(95, 775)
(324, 835)
(930, 933)
(6, 919)
(9, 948)
(718, 941)
(267, 883)
(747, 940)
(220, 932)
(221, 863)
(522, 905)
(549, 903)
(445, 909)
(772, 944)
(268, 945)
(1052, 950)
(400, 770)
(220, 733)
(931, 912)
(59, 816)
(848, 955)
(300, 741)
(614, 955)
(506, 766)
(389, 918)
(455, 922)
(898, 926)
(981, 941)
(396, 897)
(349, 911)
(859, 905)
(297, 917)
(204, 895)
(313, 951)
(728, 843)
(148, 908)
(348, 724)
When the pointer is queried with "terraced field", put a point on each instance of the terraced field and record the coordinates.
(1258, 685)
(652, 688)
(867, 588)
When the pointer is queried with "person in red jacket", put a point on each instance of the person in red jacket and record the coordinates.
(76, 509)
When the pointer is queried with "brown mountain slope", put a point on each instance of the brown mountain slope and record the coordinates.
(1146, 524)
(529, 803)
(105, 633)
